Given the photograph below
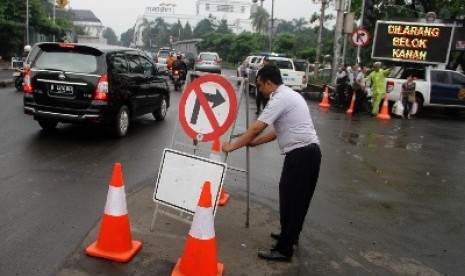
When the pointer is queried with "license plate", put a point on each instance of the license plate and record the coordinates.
(16, 74)
(176, 77)
(61, 89)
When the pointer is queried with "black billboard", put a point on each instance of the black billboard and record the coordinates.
(412, 42)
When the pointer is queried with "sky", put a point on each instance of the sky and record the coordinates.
(121, 15)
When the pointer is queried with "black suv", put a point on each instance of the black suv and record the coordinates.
(102, 84)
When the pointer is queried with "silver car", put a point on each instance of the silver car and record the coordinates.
(208, 62)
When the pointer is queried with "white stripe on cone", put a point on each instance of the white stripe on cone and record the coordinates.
(202, 225)
(116, 202)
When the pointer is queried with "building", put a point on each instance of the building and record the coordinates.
(91, 24)
(236, 13)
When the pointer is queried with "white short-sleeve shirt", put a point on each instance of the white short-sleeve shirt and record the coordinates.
(288, 112)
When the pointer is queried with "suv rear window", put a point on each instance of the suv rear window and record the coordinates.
(208, 56)
(67, 61)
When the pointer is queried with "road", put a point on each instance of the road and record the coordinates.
(389, 200)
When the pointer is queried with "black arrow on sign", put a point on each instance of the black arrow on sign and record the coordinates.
(216, 99)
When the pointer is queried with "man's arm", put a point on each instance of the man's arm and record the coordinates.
(249, 137)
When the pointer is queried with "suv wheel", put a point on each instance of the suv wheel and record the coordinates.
(160, 113)
(48, 124)
(122, 121)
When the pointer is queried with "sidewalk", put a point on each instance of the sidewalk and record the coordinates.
(237, 246)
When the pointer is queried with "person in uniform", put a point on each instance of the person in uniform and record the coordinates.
(378, 85)
(288, 114)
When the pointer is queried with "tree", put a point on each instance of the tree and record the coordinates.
(186, 32)
(260, 20)
(285, 27)
(299, 24)
(13, 24)
(111, 37)
(223, 27)
(127, 37)
(285, 44)
(204, 27)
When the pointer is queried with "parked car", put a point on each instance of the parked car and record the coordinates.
(244, 67)
(108, 85)
(208, 62)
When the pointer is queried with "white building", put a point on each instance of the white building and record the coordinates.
(86, 18)
(236, 13)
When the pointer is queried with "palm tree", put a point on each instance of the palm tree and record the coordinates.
(299, 24)
(260, 20)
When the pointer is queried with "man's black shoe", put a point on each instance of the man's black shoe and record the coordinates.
(273, 255)
(277, 236)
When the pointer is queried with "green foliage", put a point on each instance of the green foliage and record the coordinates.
(260, 20)
(127, 37)
(111, 37)
(13, 24)
(204, 27)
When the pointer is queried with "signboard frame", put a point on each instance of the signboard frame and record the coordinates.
(375, 53)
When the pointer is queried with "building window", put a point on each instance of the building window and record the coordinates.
(207, 7)
(242, 9)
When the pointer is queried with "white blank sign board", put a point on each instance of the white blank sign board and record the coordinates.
(181, 177)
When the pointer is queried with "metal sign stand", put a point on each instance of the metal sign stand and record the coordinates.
(195, 147)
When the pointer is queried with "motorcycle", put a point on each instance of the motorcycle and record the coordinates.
(18, 76)
(178, 77)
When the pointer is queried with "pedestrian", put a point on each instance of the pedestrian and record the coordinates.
(408, 96)
(288, 113)
(359, 88)
(341, 85)
(378, 85)
(260, 100)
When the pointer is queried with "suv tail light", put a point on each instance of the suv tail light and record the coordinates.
(198, 60)
(155, 59)
(27, 86)
(101, 93)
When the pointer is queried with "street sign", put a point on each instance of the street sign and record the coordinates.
(62, 3)
(207, 107)
(360, 37)
(413, 42)
(181, 177)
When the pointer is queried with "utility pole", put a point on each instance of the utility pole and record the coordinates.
(344, 47)
(272, 26)
(337, 38)
(318, 43)
(27, 22)
(361, 24)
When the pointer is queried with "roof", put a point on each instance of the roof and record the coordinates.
(83, 15)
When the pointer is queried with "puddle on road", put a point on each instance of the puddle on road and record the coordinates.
(374, 140)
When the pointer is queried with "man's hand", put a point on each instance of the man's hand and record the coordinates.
(226, 147)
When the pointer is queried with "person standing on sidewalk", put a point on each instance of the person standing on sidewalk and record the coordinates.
(408, 96)
(378, 85)
(359, 89)
(288, 113)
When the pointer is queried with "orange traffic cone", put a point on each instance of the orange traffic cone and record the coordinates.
(325, 99)
(114, 241)
(352, 104)
(385, 110)
(199, 257)
(215, 155)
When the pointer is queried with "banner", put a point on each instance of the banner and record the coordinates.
(412, 42)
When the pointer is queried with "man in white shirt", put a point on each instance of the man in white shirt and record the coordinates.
(288, 113)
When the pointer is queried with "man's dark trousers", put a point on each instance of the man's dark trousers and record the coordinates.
(296, 187)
